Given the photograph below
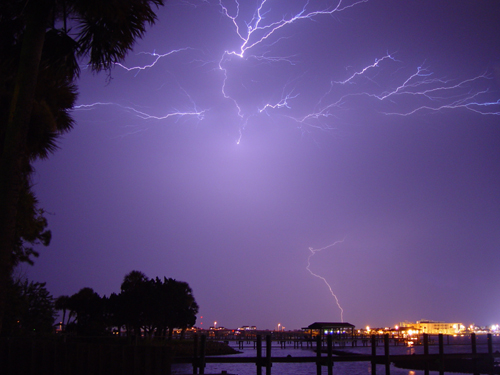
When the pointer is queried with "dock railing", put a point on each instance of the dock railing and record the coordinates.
(473, 362)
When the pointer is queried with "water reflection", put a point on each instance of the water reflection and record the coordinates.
(340, 368)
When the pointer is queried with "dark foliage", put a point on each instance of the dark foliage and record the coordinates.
(145, 307)
(106, 32)
(156, 307)
(38, 69)
(30, 310)
(87, 308)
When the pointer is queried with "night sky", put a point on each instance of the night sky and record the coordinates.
(381, 134)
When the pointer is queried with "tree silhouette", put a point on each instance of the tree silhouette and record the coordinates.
(132, 302)
(31, 309)
(153, 307)
(62, 303)
(88, 309)
(181, 307)
(37, 70)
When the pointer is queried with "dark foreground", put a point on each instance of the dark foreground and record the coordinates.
(118, 357)
(484, 365)
(56, 357)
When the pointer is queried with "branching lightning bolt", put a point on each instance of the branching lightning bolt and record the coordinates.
(156, 58)
(283, 102)
(177, 114)
(376, 64)
(440, 93)
(313, 252)
(258, 32)
(143, 115)
(255, 26)
(200, 114)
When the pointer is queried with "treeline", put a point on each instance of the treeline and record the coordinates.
(144, 307)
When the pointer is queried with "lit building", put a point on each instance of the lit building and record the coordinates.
(434, 328)
(247, 328)
(339, 330)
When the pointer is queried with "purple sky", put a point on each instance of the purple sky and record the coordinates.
(230, 200)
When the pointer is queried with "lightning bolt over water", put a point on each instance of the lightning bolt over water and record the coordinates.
(313, 253)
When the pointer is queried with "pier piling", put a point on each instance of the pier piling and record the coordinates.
(374, 354)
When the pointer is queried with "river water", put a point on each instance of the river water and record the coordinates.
(457, 345)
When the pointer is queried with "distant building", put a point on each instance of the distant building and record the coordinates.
(247, 328)
(339, 330)
(434, 328)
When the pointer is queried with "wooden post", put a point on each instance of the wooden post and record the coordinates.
(474, 351)
(202, 353)
(473, 343)
(318, 355)
(329, 344)
(374, 354)
(441, 354)
(386, 355)
(268, 355)
(195, 354)
(426, 353)
(490, 353)
(259, 354)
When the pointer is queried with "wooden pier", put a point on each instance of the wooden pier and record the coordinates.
(473, 362)
(295, 339)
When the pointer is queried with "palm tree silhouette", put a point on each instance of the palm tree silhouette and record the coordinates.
(38, 69)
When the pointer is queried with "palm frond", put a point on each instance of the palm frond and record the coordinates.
(109, 29)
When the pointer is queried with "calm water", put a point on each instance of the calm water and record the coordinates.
(457, 345)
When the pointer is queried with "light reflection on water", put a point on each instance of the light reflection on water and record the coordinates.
(344, 368)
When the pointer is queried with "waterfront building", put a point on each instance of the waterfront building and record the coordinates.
(339, 330)
(247, 328)
(434, 328)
